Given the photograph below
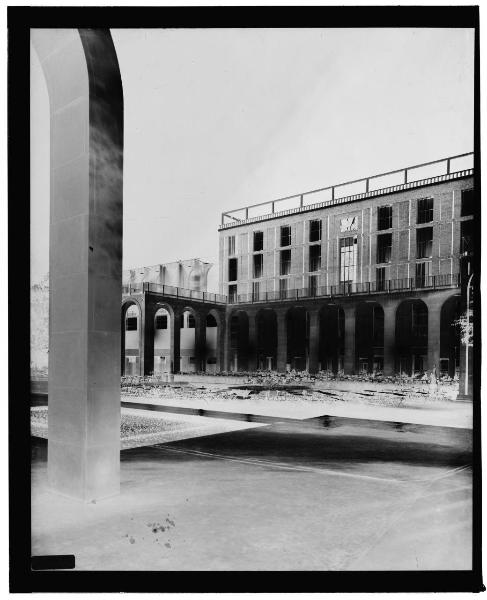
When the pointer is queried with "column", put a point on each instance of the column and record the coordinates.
(349, 358)
(146, 339)
(85, 259)
(200, 341)
(389, 337)
(281, 341)
(314, 340)
(227, 344)
(434, 332)
(252, 343)
(175, 342)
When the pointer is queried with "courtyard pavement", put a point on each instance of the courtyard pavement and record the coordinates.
(424, 411)
(285, 496)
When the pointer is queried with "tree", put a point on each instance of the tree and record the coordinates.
(465, 324)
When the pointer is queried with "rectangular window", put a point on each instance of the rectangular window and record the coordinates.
(384, 217)
(467, 203)
(286, 235)
(380, 278)
(131, 324)
(161, 322)
(258, 241)
(348, 259)
(466, 237)
(285, 262)
(255, 290)
(315, 258)
(231, 245)
(425, 210)
(283, 287)
(315, 231)
(191, 321)
(423, 273)
(384, 248)
(258, 265)
(232, 293)
(424, 242)
(232, 269)
(312, 285)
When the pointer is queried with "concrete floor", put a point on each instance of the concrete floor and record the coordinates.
(277, 497)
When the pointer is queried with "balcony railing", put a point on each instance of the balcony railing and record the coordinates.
(388, 286)
(430, 282)
(174, 292)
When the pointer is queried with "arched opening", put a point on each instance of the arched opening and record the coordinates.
(332, 338)
(239, 341)
(162, 341)
(369, 337)
(130, 339)
(412, 337)
(266, 339)
(187, 342)
(297, 327)
(450, 336)
(211, 363)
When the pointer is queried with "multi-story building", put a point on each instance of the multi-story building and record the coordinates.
(352, 281)
(364, 275)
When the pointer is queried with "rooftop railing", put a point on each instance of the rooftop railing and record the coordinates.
(460, 165)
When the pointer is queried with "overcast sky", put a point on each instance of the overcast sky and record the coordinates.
(216, 119)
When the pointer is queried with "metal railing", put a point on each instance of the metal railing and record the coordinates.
(431, 282)
(406, 176)
(387, 286)
(174, 292)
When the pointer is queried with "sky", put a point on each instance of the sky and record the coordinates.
(219, 118)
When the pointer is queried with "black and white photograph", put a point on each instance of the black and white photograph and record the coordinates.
(252, 276)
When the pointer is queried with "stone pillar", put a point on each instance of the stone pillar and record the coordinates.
(389, 337)
(85, 259)
(220, 348)
(349, 358)
(252, 343)
(146, 339)
(314, 341)
(175, 349)
(434, 332)
(200, 341)
(281, 342)
(227, 346)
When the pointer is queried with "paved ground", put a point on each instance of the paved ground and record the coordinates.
(283, 496)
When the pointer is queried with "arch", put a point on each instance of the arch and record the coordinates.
(85, 254)
(266, 323)
(369, 337)
(450, 336)
(331, 318)
(162, 326)
(297, 331)
(189, 321)
(211, 349)
(130, 366)
(412, 337)
(238, 323)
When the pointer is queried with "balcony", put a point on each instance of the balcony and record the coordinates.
(174, 292)
(388, 286)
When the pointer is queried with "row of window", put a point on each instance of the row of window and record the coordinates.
(424, 249)
(384, 221)
(347, 276)
(161, 322)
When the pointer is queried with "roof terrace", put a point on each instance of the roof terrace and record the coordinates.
(444, 169)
